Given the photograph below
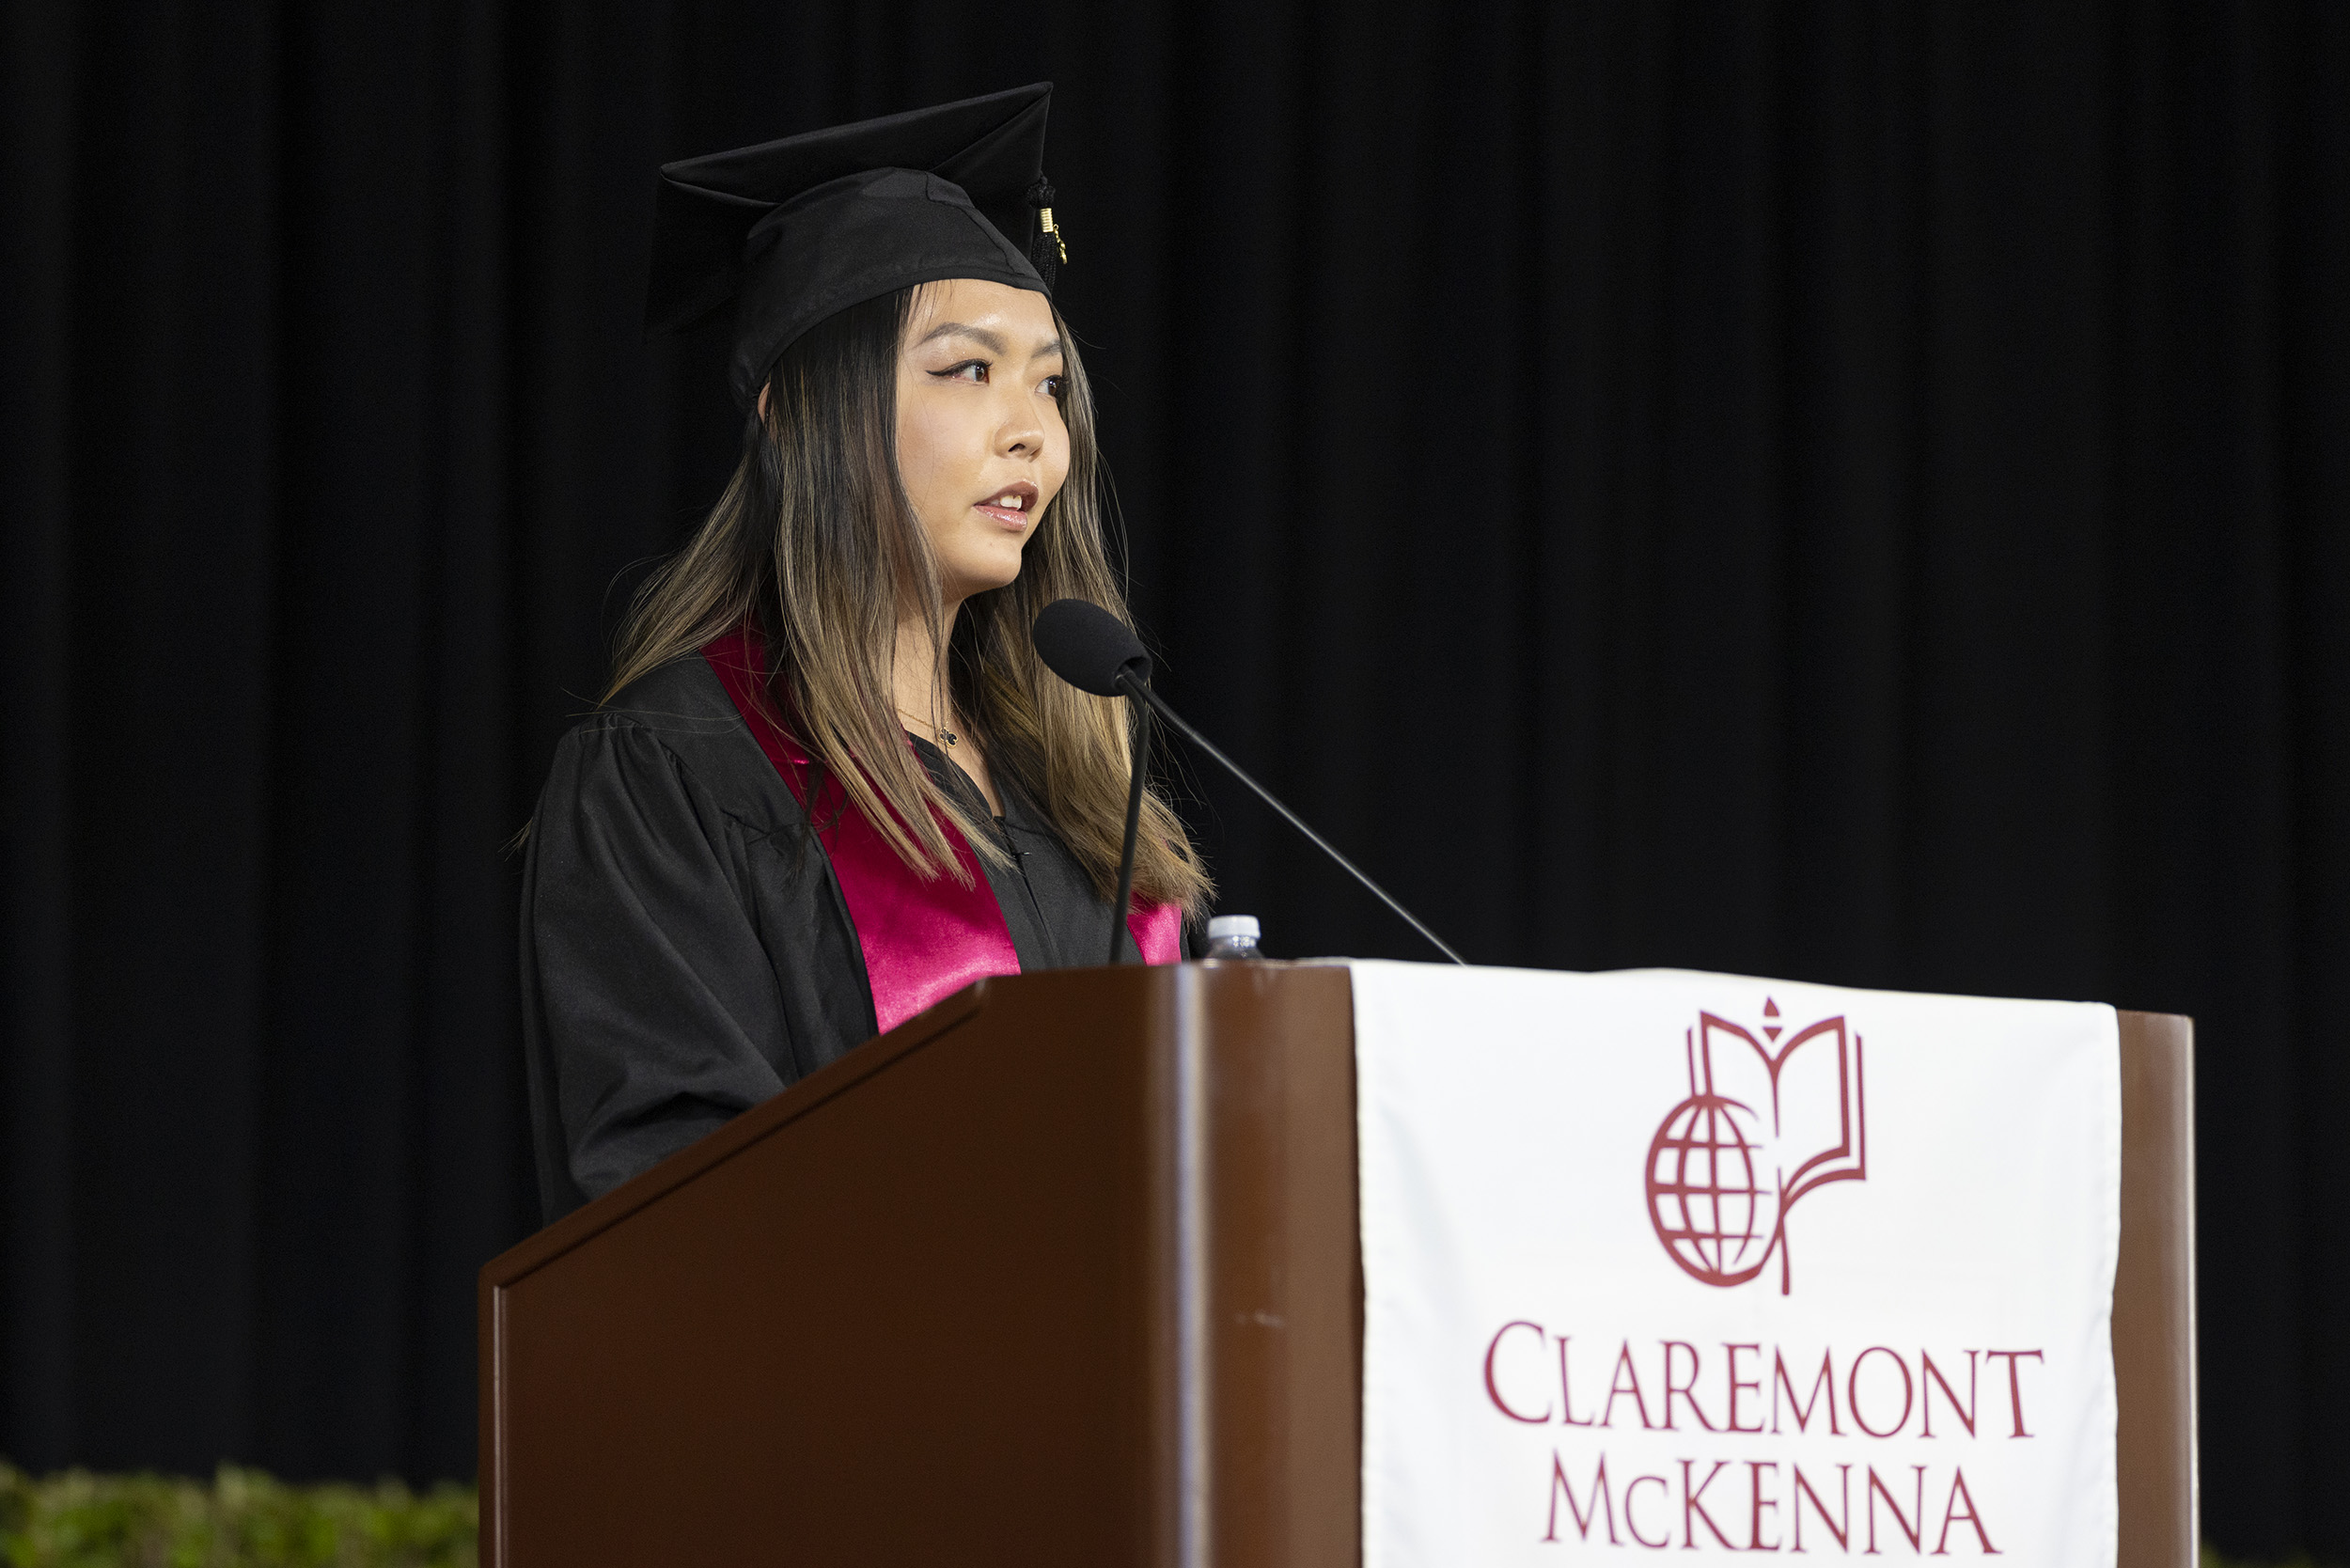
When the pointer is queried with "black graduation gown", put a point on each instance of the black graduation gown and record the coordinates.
(687, 952)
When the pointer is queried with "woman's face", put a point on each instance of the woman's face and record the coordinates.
(980, 443)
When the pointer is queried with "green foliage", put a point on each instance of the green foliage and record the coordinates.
(244, 1519)
(2211, 1559)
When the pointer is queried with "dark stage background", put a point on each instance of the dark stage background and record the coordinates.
(1858, 492)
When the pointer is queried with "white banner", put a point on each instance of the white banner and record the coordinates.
(1668, 1260)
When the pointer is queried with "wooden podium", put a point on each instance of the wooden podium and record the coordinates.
(1065, 1271)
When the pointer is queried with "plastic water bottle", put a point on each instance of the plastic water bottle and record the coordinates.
(1232, 936)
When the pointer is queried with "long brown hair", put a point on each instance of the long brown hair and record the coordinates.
(815, 544)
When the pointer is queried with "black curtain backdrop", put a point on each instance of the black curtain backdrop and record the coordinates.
(1851, 492)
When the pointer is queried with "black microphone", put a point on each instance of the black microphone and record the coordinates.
(1095, 651)
(1092, 649)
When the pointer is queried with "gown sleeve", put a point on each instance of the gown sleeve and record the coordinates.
(650, 1003)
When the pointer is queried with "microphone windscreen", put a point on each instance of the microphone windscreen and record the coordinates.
(1087, 645)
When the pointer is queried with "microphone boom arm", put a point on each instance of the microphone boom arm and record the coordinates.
(1120, 938)
(1136, 687)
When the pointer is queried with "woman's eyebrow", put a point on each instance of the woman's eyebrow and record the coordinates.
(1051, 348)
(986, 339)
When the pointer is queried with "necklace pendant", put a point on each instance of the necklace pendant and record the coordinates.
(947, 735)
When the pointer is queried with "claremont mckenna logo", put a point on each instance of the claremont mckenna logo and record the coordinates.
(1765, 1122)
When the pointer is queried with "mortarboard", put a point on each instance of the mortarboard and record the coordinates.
(796, 230)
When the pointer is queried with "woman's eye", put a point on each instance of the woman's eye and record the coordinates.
(1054, 387)
(972, 371)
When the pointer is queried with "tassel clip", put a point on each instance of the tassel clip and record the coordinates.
(1048, 250)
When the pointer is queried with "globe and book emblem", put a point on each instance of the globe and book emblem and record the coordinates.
(1765, 1122)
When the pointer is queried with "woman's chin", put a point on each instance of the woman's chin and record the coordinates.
(983, 573)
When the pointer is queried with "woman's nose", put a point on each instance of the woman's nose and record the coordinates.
(1022, 433)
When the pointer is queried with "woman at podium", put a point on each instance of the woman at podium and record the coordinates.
(832, 783)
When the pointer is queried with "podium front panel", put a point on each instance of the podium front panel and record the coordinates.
(1061, 1271)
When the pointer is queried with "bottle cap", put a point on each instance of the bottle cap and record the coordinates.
(1223, 926)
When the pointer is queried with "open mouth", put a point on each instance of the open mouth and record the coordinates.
(1011, 505)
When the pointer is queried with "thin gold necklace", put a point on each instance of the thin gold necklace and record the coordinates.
(939, 732)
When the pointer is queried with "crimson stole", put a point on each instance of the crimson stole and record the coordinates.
(923, 938)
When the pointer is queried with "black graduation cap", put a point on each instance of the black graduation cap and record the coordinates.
(796, 230)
